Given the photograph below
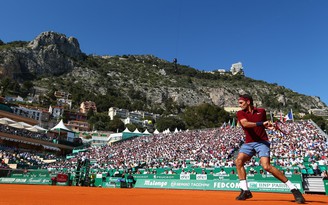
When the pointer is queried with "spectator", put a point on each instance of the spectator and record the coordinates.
(324, 174)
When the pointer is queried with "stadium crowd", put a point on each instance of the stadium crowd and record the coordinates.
(24, 133)
(303, 145)
(23, 158)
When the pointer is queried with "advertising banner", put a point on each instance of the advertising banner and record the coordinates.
(233, 185)
(12, 180)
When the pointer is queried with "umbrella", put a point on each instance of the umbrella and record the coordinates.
(16, 125)
(32, 129)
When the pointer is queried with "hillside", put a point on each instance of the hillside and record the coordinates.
(137, 82)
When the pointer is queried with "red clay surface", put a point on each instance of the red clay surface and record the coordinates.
(65, 195)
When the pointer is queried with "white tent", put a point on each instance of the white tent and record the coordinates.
(146, 132)
(156, 132)
(126, 130)
(176, 130)
(39, 128)
(167, 131)
(6, 121)
(32, 129)
(16, 125)
(25, 124)
(136, 131)
(36, 128)
(60, 126)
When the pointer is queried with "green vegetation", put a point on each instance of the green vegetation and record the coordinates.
(13, 44)
(145, 82)
(205, 116)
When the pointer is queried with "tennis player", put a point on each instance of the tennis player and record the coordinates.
(253, 121)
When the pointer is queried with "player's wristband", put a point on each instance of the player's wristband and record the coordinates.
(259, 124)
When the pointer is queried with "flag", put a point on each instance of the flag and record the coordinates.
(281, 116)
(289, 116)
(271, 116)
(233, 124)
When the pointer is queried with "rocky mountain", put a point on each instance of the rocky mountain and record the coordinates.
(48, 54)
(54, 62)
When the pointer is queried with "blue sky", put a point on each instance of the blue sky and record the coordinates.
(278, 41)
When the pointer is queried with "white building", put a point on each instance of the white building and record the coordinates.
(121, 113)
(36, 114)
(236, 68)
(56, 111)
(136, 117)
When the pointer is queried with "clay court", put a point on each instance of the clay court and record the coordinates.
(68, 195)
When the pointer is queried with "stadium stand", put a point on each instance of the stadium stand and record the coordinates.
(209, 151)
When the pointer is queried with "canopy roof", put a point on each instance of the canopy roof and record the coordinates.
(156, 132)
(136, 131)
(146, 132)
(126, 130)
(61, 126)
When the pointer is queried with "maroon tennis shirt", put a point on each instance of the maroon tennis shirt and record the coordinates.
(254, 134)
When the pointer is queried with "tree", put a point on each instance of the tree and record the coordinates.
(5, 83)
(171, 123)
(90, 113)
(100, 121)
(204, 116)
(116, 125)
(131, 127)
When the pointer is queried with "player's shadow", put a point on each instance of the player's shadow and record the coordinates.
(271, 200)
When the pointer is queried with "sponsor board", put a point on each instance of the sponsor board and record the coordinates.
(12, 180)
(232, 185)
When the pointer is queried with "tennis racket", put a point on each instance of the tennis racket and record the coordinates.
(281, 127)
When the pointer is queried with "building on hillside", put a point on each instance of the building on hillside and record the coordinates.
(56, 111)
(78, 126)
(62, 94)
(237, 68)
(39, 114)
(141, 118)
(13, 99)
(132, 120)
(87, 105)
(17, 118)
(65, 103)
(121, 113)
(124, 114)
(136, 115)
(222, 71)
(69, 115)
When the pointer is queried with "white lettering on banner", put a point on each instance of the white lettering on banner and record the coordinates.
(35, 180)
(226, 185)
(7, 179)
(184, 177)
(267, 185)
(20, 180)
(186, 184)
(155, 183)
(201, 177)
(177, 184)
(200, 184)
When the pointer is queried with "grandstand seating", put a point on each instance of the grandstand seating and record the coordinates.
(209, 150)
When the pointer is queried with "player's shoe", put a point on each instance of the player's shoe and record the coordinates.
(244, 194)
(298, 196)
